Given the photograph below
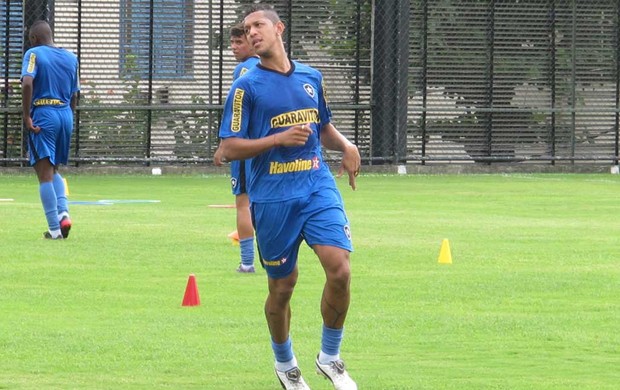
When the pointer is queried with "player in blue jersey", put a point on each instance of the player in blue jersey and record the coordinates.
(277, 115)
(50, 84)
(243, 53)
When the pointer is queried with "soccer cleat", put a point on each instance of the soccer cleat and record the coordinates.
(246, 269)
(65, 226)
(291, 379)
(48, 236)
(337, 374)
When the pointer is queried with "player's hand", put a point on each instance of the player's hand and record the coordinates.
(351, 163)
(294, 136)
(217, 157)
(30, 126)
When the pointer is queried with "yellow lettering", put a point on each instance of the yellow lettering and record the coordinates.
(298, 117)
(31, 62)
(276, 168)
(237, 110)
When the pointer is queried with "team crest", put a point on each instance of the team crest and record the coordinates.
(233, 182)
(309, 90)
(347, 231)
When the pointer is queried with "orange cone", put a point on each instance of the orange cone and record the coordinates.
(191, 297)
(234, 236)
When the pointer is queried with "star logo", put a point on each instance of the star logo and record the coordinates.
(309, 90)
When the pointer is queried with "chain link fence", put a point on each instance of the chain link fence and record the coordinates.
(409, 81)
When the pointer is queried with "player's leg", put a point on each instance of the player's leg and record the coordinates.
(45, 174)
(246, 232)
(334, 307)
(278, 235)
(62, 157)
(42, 151)
(327, 232)
(278, 315)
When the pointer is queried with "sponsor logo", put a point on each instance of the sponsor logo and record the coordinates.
(309, 90)
(299, 117)
(31, 63)
(276, 168)
(48, 102)
(274, 263)
(237, 110)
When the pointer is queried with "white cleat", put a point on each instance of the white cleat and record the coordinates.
(292, 379)
(337, 374)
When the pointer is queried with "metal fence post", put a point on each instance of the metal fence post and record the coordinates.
(389, 82)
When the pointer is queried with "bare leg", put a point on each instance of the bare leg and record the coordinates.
(336, 293)
(45, 170)
(244, 218)
(277, 306)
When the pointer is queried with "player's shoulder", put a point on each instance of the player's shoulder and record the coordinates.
(250, 61)
(300, 67)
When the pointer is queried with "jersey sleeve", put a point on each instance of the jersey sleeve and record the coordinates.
(325, 114)
(29, 64)
(76, 84)
(237, 110)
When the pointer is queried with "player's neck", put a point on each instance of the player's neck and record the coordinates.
(279, 63)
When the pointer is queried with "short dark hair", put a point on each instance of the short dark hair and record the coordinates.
(238, 30)
(269, 11)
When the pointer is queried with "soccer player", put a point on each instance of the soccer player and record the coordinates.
(50, 83)
(243, 53)
(277, 115)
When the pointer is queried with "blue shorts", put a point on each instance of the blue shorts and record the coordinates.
(53, 140)
(319, 219)
(238, 180)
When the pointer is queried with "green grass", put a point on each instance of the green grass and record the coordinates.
(531, 300)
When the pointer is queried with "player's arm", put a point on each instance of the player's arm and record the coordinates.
(27, 88)
(332, 139)
(236, 148)
(74, 101)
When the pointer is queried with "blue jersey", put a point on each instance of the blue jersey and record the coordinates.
(240, 169)
(55, 71)
(264, 102)
(244, 66)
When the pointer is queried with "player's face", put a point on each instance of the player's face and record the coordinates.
(241, 48)
(262, 33)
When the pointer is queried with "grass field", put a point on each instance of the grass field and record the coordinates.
(531, 301)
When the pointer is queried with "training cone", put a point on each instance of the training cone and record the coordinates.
(234, 236)
(66, 186)
(191, 297)
(445, 257)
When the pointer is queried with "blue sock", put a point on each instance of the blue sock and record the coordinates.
(284, 351)
(50, 205)
(61, 193)
(247, 251)
(330, 340)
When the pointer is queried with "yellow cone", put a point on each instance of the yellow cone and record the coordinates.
(66, 186)
(445, 257)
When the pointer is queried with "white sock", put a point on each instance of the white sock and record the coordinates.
(285, 366)
(325, 358)
(62, 215)
(55, 233)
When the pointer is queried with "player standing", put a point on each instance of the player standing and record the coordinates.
(50, 83)
(277, 115)
(239, 170)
